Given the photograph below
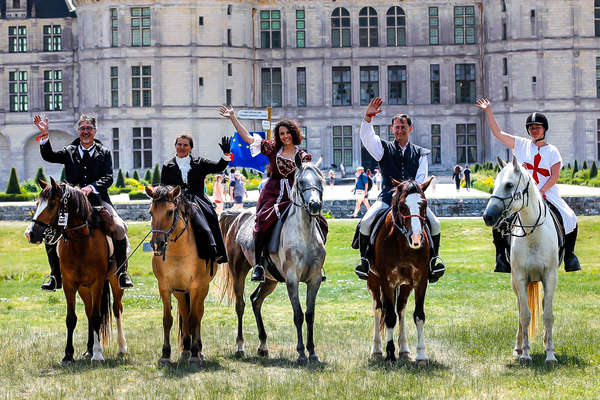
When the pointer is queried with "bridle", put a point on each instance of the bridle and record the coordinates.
(507, 222)
(301, 192)
(57, 229)
(397, 216)
(176, 216)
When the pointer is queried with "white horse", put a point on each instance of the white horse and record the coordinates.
(299, 258)
(534, 251)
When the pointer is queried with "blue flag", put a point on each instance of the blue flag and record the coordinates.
(240, 151)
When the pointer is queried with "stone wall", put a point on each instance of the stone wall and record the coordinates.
(138, 210)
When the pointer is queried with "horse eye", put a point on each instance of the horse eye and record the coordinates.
(170, 212)
(509, 185)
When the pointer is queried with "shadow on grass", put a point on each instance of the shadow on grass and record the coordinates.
(538, 363)
(407, 365)
(176, 370)
(84, 364)
(280, 362)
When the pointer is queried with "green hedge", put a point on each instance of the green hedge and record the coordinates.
(17, 197)
(138, 195)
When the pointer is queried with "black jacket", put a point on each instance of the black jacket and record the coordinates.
(99, 174)
(395, 165)
(200, 167)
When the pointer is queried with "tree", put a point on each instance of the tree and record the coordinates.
(127, 174)
(13, 182)
(245, 173)
(120, 180)
(148, 176)
(63, 177)
(584, 166)
(593, 170)
(156, 176)
(136, 176)
(39, 175)
(575, 168)
(568, 165)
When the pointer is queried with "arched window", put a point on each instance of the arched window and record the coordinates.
(367, 27)
(340, 28)
(396, 26)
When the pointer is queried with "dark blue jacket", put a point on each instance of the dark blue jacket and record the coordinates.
(395, 165)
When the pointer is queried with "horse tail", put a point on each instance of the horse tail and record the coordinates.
(224, 281)
(534, 295)
(105, 314)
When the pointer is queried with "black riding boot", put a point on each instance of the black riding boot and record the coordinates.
(121, 259)
(54, 279)
(571, 261)
(502, 249)
(258, 273)
(362, 269)
(436, 267)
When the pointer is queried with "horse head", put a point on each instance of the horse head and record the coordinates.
(46, 212)
(307, 191)
(510, 194)
(164, 212)
(409, 210)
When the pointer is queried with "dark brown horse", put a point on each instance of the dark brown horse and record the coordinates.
(401, 264)
(64, 213)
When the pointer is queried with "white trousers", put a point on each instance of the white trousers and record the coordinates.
(367, 221)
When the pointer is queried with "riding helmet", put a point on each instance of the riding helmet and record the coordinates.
(537, 118)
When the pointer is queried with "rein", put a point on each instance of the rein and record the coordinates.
(303, 204)
(168, 233)
(401, 227)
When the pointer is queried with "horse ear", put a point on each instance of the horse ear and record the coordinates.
(298, 160)
(395, 182)
(319, 162)
(515, 163)
(53, 183)
(149, 191)
(425, 184)
(42, 183)
(501, 162)
(173, 194)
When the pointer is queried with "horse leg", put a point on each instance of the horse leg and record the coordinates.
(96, 320)
(374, 288)
(257, 297)
(165, 295)
(185, 332)
(389, 315)
(312, 288)
(419, 318)
(240, 305)
(292, 289)
(86, 298)
(525, 320)
(71, 320)
(196, 314)
(404, 351)
(118, 312)
(519, 337)
(549, 282)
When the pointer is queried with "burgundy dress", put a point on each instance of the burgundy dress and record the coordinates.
(274, 199)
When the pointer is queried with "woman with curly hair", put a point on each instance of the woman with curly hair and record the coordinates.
(274, 198)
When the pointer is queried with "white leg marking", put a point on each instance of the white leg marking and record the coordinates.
(421, 355)
(402, 340)
(97, 349)
(121, 338)
(376, 349)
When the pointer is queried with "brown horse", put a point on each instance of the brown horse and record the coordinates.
(401, 264)
(64, 212)
(179, 271)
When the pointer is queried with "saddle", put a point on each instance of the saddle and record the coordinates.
(560, 233)
(377, 222)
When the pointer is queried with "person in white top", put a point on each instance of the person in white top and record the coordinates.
(543, 162)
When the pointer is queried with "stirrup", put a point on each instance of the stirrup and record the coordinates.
(359, 269)
(256, 275)
(436, 270)
(127, 282)
(51, 285)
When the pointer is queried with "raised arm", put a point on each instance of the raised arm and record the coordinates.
(59, 157)
(502, 136)
(370, 140)
(229, 113)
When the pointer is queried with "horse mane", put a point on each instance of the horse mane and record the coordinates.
(161, 193)
(77, 202)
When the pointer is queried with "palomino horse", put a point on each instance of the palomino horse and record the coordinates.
(179, 271)
(401, 264)
(534, 250)
(300, 258)
(64, 212)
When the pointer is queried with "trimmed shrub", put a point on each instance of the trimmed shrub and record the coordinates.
(148, 176)
(593, 170)
(13, 183)
(40, 175)
(138, 195)
(120, 183)
(127, 174)
(584, 166)
(575, 167)
(30, 186)
(17, 197)
(136, 176)
(568, 165)
(63, 177)
(156, 175)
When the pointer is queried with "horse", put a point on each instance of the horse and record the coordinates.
(299, 258)
(179, 271)
(64, 215)
(401, 263)
(534, 251)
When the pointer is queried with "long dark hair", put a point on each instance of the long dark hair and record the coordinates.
(293, 129)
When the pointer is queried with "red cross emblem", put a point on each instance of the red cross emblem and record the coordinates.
(535, 168)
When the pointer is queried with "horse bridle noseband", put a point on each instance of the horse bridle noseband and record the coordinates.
(53, 231)
(168, 233)
(402, 227)
(301, 191)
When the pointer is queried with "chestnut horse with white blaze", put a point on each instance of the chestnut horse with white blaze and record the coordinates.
(64, 214)
(517, 204)
(401, 264)
(179, 271)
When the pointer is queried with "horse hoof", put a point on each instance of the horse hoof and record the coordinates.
(99, 360)
(67, 361)
(240, 354)
(301, 360)
(422, 363)
(405, 355)
(551, 361)
(525, 360)
(313, 358)
(262, 353)
(517, 352)
(184, 357)
(122, 355)
(164, 363)
(376, 356)
(87, 355)
(196, 362)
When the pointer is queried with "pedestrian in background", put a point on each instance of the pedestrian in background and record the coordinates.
(467, 175)
(237, 190)
(219, 194)
(331, 177)
(378, 179)
(360, 190)
(456, 176)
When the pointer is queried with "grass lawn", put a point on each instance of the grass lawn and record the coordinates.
(470, 329)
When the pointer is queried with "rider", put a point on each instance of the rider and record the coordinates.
(543, 161)
(189, 173)
(88, 164)
(274, 199)
(399, 160)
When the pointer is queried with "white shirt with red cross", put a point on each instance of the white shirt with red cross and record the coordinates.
(538, 161)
